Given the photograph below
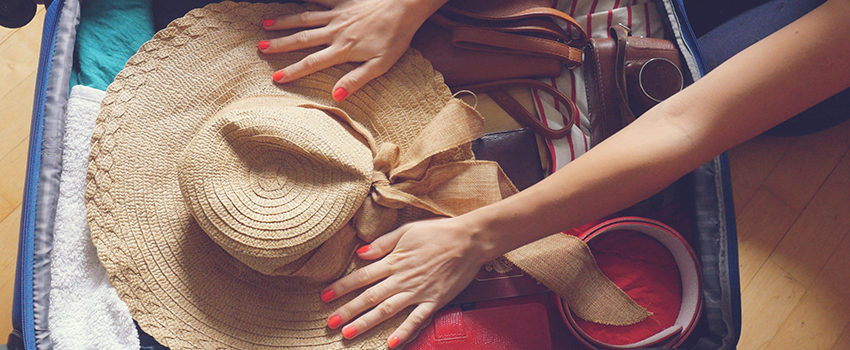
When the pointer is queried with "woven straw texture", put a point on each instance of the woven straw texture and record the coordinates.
(221, 203)
(182, 287)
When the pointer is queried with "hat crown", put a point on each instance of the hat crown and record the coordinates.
(272, 178)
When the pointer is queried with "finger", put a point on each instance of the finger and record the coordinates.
(308, 65)
(308, 19)
(370, 298)
(301, 40)
(356, 78)
(384, 311)
(358, 279)
(413, 322)
(383, 245)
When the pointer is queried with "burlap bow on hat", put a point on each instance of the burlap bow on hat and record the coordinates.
(221, 203)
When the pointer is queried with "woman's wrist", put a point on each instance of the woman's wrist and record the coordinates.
(424, 8)
(420, 10)
(486, 233)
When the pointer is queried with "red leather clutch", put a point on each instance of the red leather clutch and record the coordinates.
(524, 325)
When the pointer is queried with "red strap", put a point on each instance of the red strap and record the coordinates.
(689, 269)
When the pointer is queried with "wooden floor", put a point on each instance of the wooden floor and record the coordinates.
(792, 200)
(19, 50)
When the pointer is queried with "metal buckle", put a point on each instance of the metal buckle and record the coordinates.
(628, 30)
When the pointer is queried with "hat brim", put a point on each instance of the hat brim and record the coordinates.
(180, 286)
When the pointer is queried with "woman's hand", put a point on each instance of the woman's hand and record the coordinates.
(429, 263)
(375, 32)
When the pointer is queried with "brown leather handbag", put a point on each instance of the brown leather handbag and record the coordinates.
(490, 46)
(473, 41)
(625, 76)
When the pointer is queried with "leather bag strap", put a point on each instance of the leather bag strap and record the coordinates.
(482, 39)
(524, 32)
(620, 34)
(497, 91)
(535, 12)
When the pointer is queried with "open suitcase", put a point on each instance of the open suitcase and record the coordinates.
(711, 214)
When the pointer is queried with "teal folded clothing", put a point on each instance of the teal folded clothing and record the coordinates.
(110, 31)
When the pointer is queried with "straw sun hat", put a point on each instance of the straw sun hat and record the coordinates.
(221, 203)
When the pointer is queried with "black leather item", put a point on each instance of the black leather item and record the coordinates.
(515, 151)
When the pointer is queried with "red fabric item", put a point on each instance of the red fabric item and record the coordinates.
(649, 275)
(510, 324)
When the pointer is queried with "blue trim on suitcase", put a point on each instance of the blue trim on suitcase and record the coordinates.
(22, 308)
(726, 187)
(728, 308)
(688, 35)
(731, 241)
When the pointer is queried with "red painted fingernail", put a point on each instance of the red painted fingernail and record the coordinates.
(349, 332)
(277, 76)
(264, 44)
(340, 94)
(364, 249)
(334, 321)
(268, 23)
(327, 295)
(393, 342)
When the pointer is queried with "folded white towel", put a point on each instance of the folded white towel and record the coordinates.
(85, 311)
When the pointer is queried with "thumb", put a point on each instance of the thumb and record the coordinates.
(382, 245)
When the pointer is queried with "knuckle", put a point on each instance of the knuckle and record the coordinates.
(362, 275)
(355, 82)
(371, 296)
(344, 312)
(392, 260)
(305, 17)
(349, 41)
(311, 62)
(415, 319)
(341, 288)
(344, 41)
(386, 309)
(301, 38)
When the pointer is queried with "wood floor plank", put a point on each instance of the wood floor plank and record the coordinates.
(5, 33)
(9, 245)
(804, 250)
(762, 224)
(770, 298)
(13, 167)
(19, 56)
(19, 51)
(751, 162)
(824, 312)
(843, 342)
(16, 114)
(38, 20)
(6, 208)
(807, 164)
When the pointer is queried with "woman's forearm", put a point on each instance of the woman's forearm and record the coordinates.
(775, 79)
